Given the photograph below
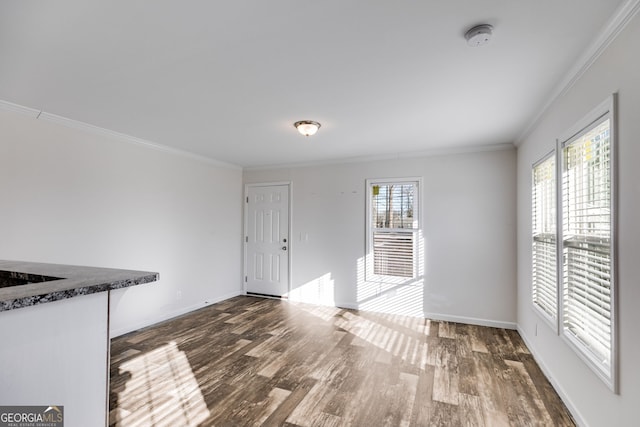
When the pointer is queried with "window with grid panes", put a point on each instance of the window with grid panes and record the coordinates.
(544, 231)
(392, 229)
(587, 243)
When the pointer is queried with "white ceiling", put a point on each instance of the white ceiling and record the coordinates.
(227, 79)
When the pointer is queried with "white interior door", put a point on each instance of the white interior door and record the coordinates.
(267, 240)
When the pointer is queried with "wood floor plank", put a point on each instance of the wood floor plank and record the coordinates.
(405, 396)
(470, 411)
(447, 330)
(490, 391)
(478, 343)
(517, 341)
(463, 343)
(250, 361)
(554, 406)
(445, 360)
(263, 409)
(445, 385)
(444, 415)
(499, 343)
(529, 401)
(434, 327)
(467, 376)
(423, 402)
(279, 415)
(271, 364)
(313, 404)
(327, 420)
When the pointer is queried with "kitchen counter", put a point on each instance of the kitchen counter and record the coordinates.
(54, 330)
(53, 282)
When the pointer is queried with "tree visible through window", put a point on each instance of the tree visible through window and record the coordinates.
(392, 228)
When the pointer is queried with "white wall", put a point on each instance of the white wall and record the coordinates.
(617, 70)
(469, 236)
(75, 197)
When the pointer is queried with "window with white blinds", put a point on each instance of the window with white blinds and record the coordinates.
(587, 245)
(392, 229)
(544, 232)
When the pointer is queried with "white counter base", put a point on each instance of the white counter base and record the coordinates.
(57, 354)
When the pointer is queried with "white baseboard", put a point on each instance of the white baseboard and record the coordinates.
(170, 315)
(450, 318)
(347, 305)
(472, 321)
(580, 421)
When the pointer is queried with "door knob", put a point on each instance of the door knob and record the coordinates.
(284, 248)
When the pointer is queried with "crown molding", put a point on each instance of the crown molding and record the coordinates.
(391, 156)
(131, 139)
(623, 15)
(75, 124)
(10, 106)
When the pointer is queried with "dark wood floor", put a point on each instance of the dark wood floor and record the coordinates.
(250, 361)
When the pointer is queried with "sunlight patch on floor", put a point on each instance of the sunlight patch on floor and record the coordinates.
(396, 335)
(171, 393)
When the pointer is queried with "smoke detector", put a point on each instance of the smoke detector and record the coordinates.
(479, 35)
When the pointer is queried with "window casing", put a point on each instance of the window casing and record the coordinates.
(585, 247)
(544, 238)
(588, 293)
(392, 229)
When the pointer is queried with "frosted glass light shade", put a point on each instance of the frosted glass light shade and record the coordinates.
(307, 127)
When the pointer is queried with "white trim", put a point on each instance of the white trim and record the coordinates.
(290, 252)
(348, 305)
(10, 106)
(623, 15)
(179, 312)
(75, 124)
(265, 184)
(96, 130)
(605, 110)
(544, 158)
(417, 254)
(472, 320)
(552, 321)
(615, 199)
(390, 156)
(564, 396)
(444, 318)
(588, 120)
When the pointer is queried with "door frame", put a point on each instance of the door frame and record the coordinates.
(245, 236)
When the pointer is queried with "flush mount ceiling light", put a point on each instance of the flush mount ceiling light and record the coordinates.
(307, 127)
(479, 35)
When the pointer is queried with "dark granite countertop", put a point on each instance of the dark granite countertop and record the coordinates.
(23, 284)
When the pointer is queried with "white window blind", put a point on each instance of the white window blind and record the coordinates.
(393, 253)
(587, 244)
(544, 231)
(392, 229)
